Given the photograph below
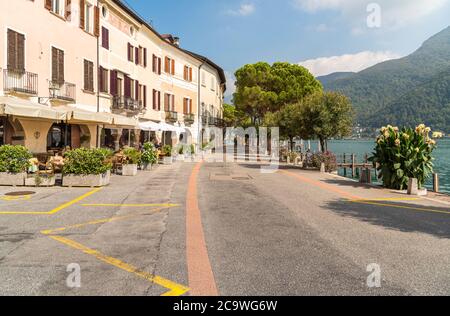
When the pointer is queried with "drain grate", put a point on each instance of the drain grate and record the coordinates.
(20, 193)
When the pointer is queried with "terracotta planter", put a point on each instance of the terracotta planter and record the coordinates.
(12, 179)
(129, 170)
(72, 180)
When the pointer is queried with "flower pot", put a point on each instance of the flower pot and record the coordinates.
(129, 170)
(40, 181)
(167, 160)
(12, 179)
(147, 167)
(72, 180)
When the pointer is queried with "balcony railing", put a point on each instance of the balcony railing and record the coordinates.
(126, 104)
(220, 122)
(171, 116)
(63, 91)
(20, 82)
(204, 120)
(189, 118)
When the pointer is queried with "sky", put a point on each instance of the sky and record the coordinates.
(323, 35)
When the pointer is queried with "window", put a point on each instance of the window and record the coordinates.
(87, 19)
(88, 75)
(169, 66)
(57, 7)
(104, 12)
(16, 51)
(203, 79)
(213, 84)
(103, 80)
(57, 66)
(130, 53)
(156, 100)
(187, 73)
(156, 65)
(105, 38)
(169, 102)
(141, 56)
(187, 106)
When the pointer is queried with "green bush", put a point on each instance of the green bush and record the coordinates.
(400, 155)
(85, 161)
(14, 159)
(167, 150)
(316, 160)
(149, 154)
(132, 156)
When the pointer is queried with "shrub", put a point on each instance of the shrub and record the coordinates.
(149, 154)
(400, 155)
(14, 159)
(85, 161)
(192, 149)
(167, 150)
(316, 160)
(132, 156)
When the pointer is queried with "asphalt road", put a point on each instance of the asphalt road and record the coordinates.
(292, 232)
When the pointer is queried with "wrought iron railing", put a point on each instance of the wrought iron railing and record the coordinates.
(126, 104)
(171, 116)
(62, 91)
(189, 118)
(20, 81)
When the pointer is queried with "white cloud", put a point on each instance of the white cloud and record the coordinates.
(244, 10)
(394, 14)
(346, 63)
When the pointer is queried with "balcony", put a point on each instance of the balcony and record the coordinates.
(219, 122)
(20, 82)
(171, 116)
(127, 104)
(212, 121)
(204, 120)
(189, 118)
(63, 91)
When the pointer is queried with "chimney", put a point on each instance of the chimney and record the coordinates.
(176, 41)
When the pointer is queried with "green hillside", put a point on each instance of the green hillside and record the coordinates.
(407, 85)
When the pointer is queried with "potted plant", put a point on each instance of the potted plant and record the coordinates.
(149, 156)
(167, 155)
(131, 162)
(87, 168)
(181, 152)
(14, 162)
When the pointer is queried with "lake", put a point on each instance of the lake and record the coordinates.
(361, 147)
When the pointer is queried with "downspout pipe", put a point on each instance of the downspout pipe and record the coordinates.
(98, 80)
(198, 107)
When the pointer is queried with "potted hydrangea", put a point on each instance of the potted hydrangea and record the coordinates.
(14, 162)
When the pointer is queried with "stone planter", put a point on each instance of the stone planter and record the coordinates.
(147, 167)
(180, 158)
(167, 160)
(12, 179)
(129, 170)
(40, 181)
(72, 180)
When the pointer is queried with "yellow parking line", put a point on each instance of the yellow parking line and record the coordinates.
(55, 210)
(174, 288)
(387, 199)
(131, 205)
(402, 207)
(96, 222)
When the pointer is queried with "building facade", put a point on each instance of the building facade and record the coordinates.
(87, 73)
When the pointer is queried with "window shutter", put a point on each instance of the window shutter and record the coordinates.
(144, 88)
(173, 102)
(190, 74)
(12, 62)
(166, 102)
(159, 66)
(184, 105)
(48, 4)
(159, 100)
(100, 79)
(113, 84)
(127, 90)
(136, 53)
(61, 66)
(91, 74)
(105, 38)
(136, 91)
(154, 64)
(54, 64)
(68, 13)
(145, 57)
(166, 65)
(173, 67)
(86, 75)
(82, 13)
(96, 21)
(155, 105)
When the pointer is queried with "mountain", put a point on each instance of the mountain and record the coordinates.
(410, 86)
(334, 76)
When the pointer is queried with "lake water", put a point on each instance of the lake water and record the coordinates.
(361, 147)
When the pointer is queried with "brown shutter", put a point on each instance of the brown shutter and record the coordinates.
(154, 63)
(48, 4)
(173, 102)
(155, 106)
(86, 75)
(136, 92)
(12, 62)
(96, 21)
(127, 90)
(105, 38)
(100, 79)
(167, 65)
(82, 13)
(159, 100)
(136, 53)
(68, 8)
(145, 57)
(113, 83)
(54, 64)
(184, 106)
(173, 67)
(159, 66)
(61, 67)
(91, 74)
(166, 102)
(190, 74)
(145, 95)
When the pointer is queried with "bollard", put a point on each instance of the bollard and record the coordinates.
(322, 168)
(413, 186)
(436, 182)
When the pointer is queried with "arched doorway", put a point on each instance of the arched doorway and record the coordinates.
(11, 132)
(64, 135)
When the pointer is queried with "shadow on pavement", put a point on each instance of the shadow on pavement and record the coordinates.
(399, 219)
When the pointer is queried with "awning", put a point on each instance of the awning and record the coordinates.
(149, 126)
(121, 120)
(25, 108)
(77, 114)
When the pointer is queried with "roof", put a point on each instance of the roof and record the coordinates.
(204, 59)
